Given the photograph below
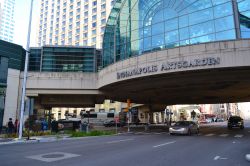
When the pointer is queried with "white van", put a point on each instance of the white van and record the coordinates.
(98, 118)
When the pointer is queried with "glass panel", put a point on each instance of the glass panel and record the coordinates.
(172, 36)
(184, 42)
(244, 5)
(225, 35)
(201, 16)
(158, 28)
(169, 13)
(184, 33)
(223, 10)
(217, 2)
(245, 24)
(202, 39)
(158, 17)
(158, 40)
(147, 31)
(183, 21)
(147, 43)
(201, 29)
(224, 23)
(245, 34)
(171, 25)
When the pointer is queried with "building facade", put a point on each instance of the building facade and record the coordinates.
(73, 22)
(64, 59)
(136, 27)
(11, 65)
(7, 20)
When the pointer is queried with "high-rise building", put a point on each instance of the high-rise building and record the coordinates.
(7, 20)
(73, 22)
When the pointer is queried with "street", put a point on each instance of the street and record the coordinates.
(214, 146)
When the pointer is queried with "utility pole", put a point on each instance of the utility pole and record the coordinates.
(25, 74)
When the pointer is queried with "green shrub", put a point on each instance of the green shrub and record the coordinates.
(92, 133)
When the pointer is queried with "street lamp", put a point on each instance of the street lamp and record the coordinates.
(25, 74)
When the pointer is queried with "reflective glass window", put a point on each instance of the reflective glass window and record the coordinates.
(183, 21)
(171, 24)
(224, 23)
(158, 28)
(223, 10)
(225, 35)
(202, 39)
(157, 40)
(201, 29)
(149, 25)
(184, 33)
(217, 2)
(201, 16)
(172, 36)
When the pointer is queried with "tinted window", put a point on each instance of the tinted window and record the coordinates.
(110, 115)
(235, 118)
(182, 123)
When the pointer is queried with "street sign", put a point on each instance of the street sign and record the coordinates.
(116, 119)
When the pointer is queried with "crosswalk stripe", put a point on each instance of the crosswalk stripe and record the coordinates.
(209, 135)
(224, 135)
(238, 136)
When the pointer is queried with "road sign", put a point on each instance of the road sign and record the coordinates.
(116, 119)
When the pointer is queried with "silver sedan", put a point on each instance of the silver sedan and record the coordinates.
(184, 127)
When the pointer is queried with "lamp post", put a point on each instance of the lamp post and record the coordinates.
(25, 74)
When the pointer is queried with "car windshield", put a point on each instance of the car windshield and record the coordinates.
(236, 118)
(182, 123)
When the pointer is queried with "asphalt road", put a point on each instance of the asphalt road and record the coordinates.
(215, 146)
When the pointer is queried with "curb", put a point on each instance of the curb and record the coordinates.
(248, 157)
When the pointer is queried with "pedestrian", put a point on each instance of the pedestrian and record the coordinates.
(10, 126)
(16, 125)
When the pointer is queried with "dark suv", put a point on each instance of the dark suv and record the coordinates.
(235, 121)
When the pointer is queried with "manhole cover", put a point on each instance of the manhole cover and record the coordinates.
(53, 155)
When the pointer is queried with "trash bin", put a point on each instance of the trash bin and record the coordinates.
(54, 126)
(84, 127)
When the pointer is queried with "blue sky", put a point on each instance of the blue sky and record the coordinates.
(21, 16)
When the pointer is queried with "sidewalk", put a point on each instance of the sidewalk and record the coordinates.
(33, 139)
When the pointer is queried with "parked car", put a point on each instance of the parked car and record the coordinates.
(111, 123)
(184, 127)
(235, 121)
(219, 120)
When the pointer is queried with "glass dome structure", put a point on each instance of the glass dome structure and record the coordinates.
(136, 27)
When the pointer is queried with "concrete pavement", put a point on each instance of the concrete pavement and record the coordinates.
(137, 149)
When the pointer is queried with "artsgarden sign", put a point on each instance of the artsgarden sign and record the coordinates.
(167, 66)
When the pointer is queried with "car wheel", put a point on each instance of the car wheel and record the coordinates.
(171, 133)
(241, 127)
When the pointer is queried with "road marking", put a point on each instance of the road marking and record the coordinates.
(156, 146)
(53, 156)
(220, 158)
(216, 157)
(248, 157)
(157, 133)
(224, 135)
(238, 136)
(209, 135)
(124, 140)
